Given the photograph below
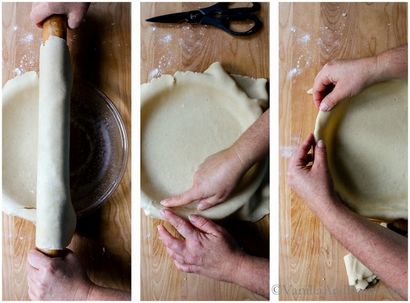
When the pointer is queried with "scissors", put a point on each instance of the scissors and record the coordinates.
(218, 15)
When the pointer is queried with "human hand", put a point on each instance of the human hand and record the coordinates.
(311, 181)
(75, 12)
(213, 181)
(207, 249)
(61, 278)
(340, 79)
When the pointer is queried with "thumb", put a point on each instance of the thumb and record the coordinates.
(182, 199)
(74, 19)
(331, 99)
(320, 155)
(37, 259)
(39, 12)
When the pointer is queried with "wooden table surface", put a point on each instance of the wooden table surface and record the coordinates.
(101, 54)
(311, 34)
(166, 49)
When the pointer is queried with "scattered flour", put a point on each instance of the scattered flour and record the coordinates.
(304, 39)
(18, 71)
(293, 72)
(167, 38)
(304, 58)
(192, 43)
(27, 39)
(155, 73)
(192, 40)
(287, 151)
(165, 61)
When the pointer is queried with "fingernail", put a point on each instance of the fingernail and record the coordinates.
(164, 202)
(324, 107)
(163, 212)
(201, 206)
(320, 144)
(192, 218)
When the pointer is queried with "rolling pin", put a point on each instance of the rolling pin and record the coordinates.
(56, 217)
(55, 25)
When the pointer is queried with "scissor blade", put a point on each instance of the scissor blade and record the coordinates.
(172, 18)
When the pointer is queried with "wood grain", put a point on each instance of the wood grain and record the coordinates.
(166, 49)
(311, 34)
(101, 54)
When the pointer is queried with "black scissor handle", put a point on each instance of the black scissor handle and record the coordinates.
(221, 16)
(224, 23)
(222, 8)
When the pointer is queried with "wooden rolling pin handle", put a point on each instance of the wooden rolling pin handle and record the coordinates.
(53, 252)
(55, 25)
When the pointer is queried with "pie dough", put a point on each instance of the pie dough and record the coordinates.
(49, 190)
(19, 149)
(184, 119)
(358, 275)
(366, 139)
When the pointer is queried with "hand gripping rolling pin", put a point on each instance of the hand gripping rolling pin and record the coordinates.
(56, 219)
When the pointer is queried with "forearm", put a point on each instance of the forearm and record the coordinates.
(253, 274)
(98, 293)
(383, 251)
(253, 144)
(391, 64)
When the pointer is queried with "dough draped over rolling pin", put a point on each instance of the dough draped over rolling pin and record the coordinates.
(56, 217)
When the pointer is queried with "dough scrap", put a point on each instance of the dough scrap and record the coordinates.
(366, 139)
(184, 119)
(358, 275)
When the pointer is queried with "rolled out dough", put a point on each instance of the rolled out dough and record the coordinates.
(30, 116)
(184, 119)
(19, 149)
(366, 139)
